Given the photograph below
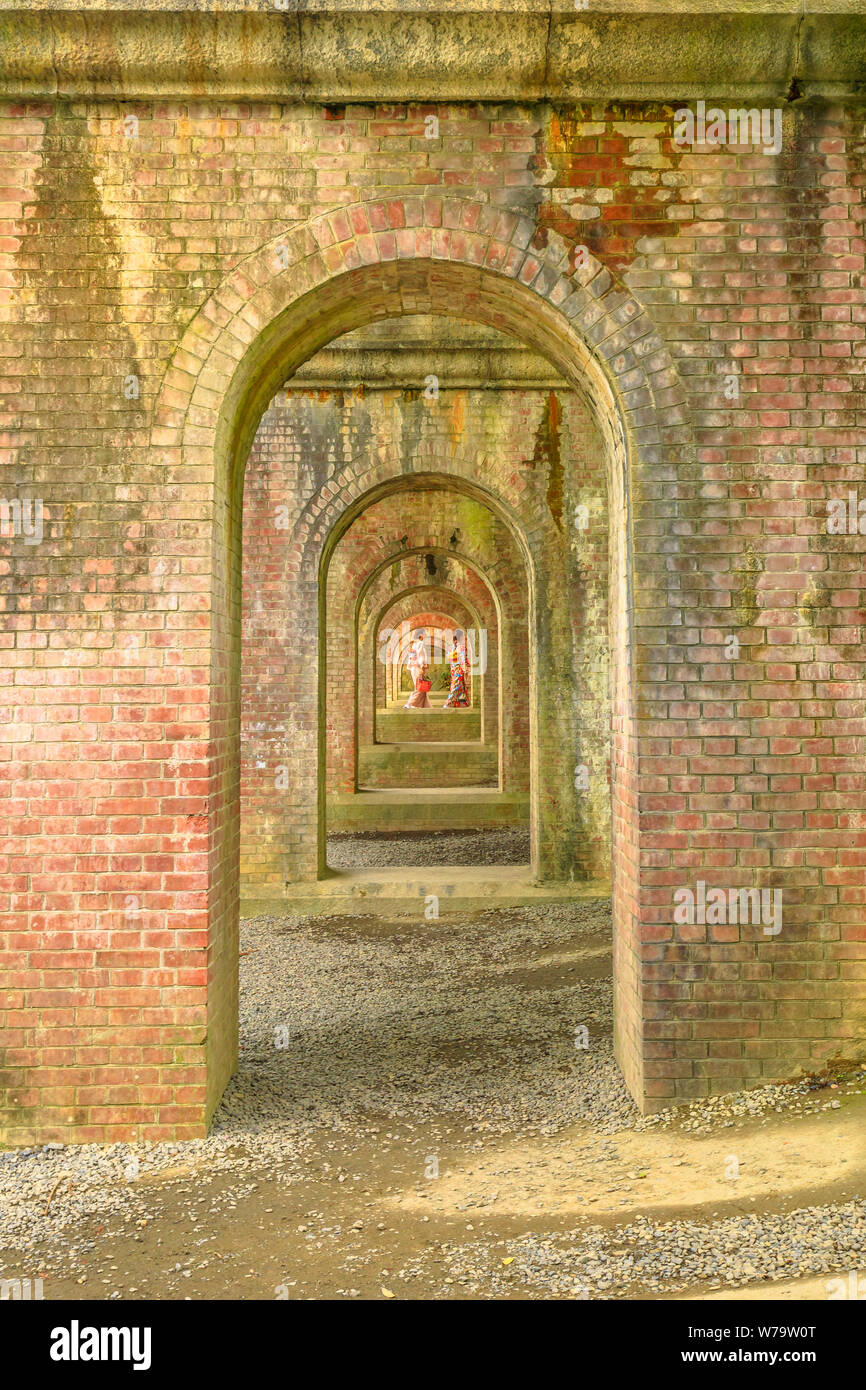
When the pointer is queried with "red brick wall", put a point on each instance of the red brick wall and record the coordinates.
(154, 259)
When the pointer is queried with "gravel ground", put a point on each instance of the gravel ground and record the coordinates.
(645, 1258)
(343, 1017)
(346, 1021)
(418, 848)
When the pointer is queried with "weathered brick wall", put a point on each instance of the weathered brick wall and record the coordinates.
(142, 289)
(539, 438)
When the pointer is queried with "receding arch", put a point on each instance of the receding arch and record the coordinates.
(439, 597)
(409, 483)
(325, 278)
(492, 604)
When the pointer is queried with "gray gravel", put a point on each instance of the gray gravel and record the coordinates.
(414, 849)
(649, 1258)
(406, 1019)
(346, 1021)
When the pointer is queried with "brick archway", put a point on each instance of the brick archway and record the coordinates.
(482, 601)
(507, 580)
(411, 614)
(283, 303)
(498, 567)
(462, 613)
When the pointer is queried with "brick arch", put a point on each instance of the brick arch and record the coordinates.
(276, 309)
(380, 260)
(375, 678)
(509, 585)
(367, 545)
(476, 603)
(405, 618)
(409, 618)
(485, 607)
(396, 612)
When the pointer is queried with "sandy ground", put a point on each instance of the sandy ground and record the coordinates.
(427, 1128)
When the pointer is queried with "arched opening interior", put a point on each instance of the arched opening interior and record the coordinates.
(435, 768)
(471, 473)
(284, 836)
(387, 626)
(439, 631)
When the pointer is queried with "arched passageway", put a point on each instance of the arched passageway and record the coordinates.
(241, 383)
(428, 775)
(387, 606)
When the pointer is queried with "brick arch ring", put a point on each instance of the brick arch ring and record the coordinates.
(389, 650)
(464, 614)
(371, 629)
(345, 657)
(377, 260)
(448, 469)
(375, 625)
(499, 590)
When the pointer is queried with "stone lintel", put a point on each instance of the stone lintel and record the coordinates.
(460, 369)
(489, 50)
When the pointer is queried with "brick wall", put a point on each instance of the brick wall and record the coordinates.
(523, 444)
(158, 288)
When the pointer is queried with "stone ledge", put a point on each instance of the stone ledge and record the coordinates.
(433, 53)
(456, 370)
(395, 892)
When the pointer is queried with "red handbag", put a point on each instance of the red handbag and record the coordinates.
(423, 685)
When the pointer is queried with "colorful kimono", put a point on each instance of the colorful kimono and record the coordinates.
(457, 696)
(417, 665)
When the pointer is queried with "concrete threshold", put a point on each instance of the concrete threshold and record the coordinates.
(410, 795)
(427, 808)
(395, 892)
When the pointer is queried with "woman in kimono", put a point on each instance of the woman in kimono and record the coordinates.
(457, 696)
(417, 663)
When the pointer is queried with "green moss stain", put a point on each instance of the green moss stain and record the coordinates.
(551, 424)
(70, 326)
(813, 605)
(547, 453)
(746, 606)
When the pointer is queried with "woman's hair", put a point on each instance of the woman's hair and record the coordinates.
(419, 633)
(458, 634)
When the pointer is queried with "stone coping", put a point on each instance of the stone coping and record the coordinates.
(546, 8)
(337, 51)
(455, 370)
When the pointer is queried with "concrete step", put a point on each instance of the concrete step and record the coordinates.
(427, 808)
(397, 892)
(436, 697)
(427, 725)
(427, 765)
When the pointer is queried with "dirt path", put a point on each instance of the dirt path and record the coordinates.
(362, 1215)
(441, 1137)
